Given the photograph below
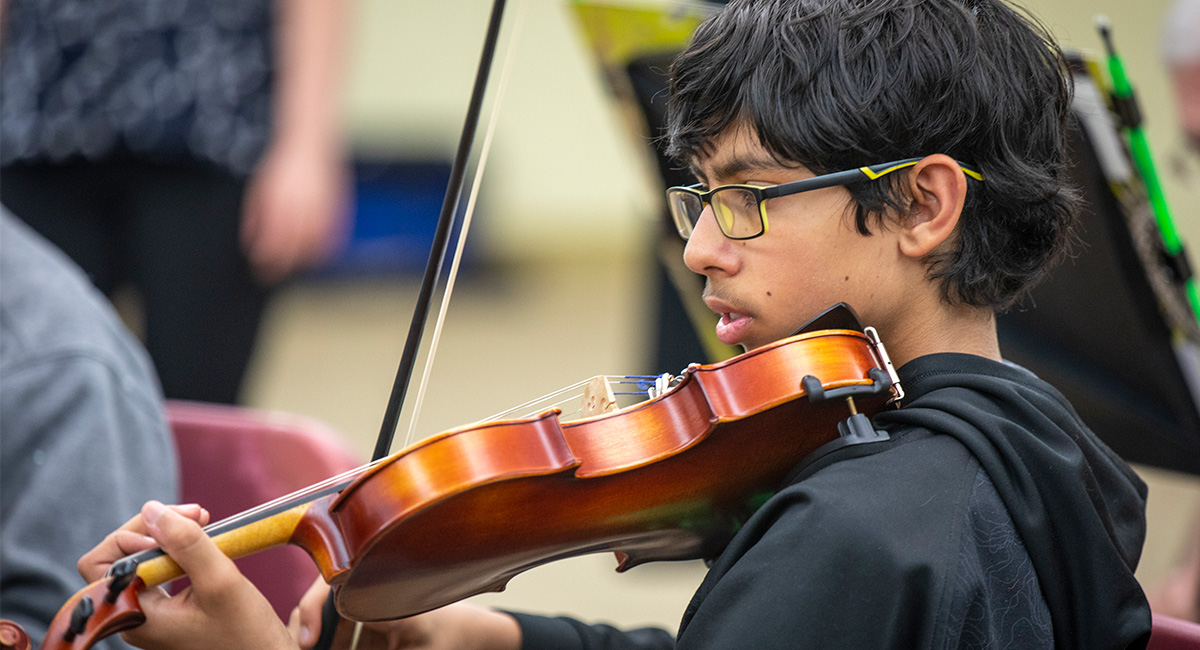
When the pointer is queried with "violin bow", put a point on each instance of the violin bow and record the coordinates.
(435, 261)
(441, 238)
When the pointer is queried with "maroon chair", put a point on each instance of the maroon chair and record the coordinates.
(232, 459)
(1170, 633)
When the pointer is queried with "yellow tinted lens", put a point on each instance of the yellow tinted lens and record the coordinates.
(737, 212)
(685, 210)
(726, 219)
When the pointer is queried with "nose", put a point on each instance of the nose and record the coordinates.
(708, 250)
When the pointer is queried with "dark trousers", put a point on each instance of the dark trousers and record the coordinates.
(172, 232)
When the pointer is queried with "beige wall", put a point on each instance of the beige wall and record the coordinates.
(559, 140)
(563, 176)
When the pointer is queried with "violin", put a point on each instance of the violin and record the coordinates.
(462, 512)
(13, 636)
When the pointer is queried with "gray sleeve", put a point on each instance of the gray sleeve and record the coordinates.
(83, 443)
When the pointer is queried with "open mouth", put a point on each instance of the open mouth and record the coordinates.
(732, 326)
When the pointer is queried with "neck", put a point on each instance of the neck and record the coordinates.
(967, 330)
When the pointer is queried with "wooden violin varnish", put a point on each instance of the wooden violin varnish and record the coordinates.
(13, 637)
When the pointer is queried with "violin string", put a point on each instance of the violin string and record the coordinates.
(294, 498)
(543, 403)
(537, 401)
(501, 88)
(285, 502)
(539, 404)
(560, 403)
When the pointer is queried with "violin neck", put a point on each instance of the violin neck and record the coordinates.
(253, 537)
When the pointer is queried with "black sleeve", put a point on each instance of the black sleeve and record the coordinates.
(560, 633)
(858, 555)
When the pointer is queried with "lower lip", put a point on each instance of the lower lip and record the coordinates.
(729, 331)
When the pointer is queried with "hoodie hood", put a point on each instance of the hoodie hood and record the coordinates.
(1079, 508)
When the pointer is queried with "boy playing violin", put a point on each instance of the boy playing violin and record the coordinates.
(992, 518)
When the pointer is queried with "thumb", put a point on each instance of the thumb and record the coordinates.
(187, 544)
(309, 613)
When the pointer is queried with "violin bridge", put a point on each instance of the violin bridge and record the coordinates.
(598, 397)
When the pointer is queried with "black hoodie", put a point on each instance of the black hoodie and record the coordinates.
(992, 518)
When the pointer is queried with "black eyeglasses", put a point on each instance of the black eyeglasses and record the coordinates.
(740, 210)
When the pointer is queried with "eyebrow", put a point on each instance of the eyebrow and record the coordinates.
(735, 166)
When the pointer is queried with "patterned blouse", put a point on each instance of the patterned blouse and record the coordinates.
(163, 80)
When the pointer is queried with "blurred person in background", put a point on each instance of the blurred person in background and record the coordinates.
(191, 148)
(83, 438)
(1181, 53)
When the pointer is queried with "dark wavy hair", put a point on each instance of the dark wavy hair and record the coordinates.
(837, 84)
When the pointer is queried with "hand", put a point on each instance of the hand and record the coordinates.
(130, 538)
(221, 609)
(460, 626)
(295, 210)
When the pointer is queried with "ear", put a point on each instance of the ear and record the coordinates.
(938, 188)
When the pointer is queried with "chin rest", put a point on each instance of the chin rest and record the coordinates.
(838, 317)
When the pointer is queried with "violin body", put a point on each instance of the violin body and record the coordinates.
(461, 513)
(669, 479)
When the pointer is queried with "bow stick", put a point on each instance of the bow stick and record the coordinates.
(441, 238)
(437, 257)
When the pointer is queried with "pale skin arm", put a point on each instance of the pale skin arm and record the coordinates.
(298, 197)
(222, 610)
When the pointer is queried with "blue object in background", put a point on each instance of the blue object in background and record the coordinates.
(397, 203)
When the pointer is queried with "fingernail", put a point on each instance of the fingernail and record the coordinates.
(306, 635)
(152, 511)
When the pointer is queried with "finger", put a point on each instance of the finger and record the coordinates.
(137, 523)
(126, 543)
(310, 611)
(189, 546)
(192, 511)
(118, 544)
(294, 629)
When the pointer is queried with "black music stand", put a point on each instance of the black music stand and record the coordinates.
(1111, 327)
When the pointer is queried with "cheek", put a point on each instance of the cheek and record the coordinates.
(821, 274)
(795, 287)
